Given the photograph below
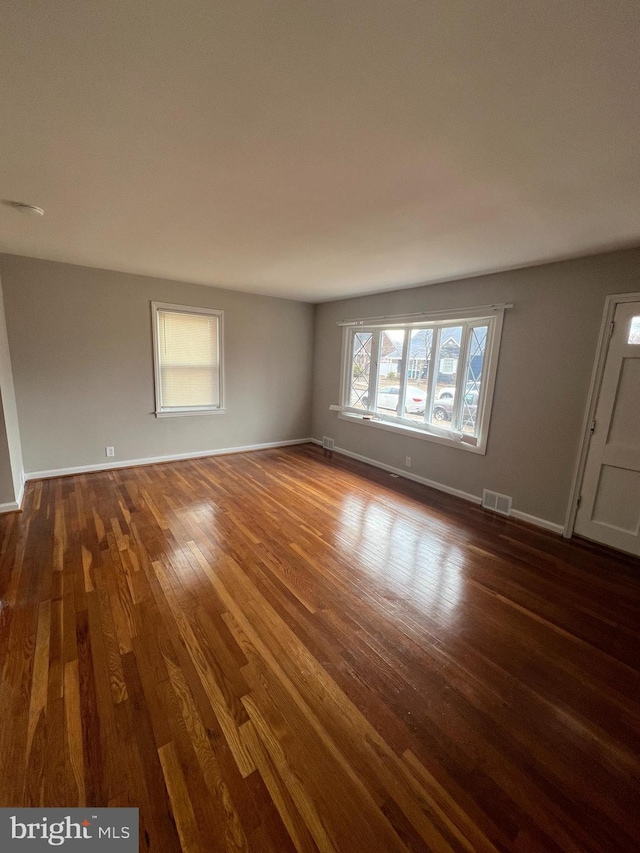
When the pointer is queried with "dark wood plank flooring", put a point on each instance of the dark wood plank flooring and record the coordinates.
(286, 651)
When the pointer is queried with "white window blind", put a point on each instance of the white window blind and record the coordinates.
(188, 360)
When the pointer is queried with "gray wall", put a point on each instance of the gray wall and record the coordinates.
(7, 490)
(548, 349)
(80, 342)
(81, 350)
(11, 470)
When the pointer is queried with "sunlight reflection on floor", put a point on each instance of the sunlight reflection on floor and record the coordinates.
(408, 556)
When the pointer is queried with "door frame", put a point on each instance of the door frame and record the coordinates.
(610, 305)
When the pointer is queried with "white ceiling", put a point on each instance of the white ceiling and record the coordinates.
(319, 148)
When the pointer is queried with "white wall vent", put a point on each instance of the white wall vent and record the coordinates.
(327, 442)
(496, 502)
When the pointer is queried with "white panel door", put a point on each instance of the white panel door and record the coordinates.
(609, 509)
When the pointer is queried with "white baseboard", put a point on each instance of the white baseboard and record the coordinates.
(407, 474)
(14, 506)
(537, 522)
(474, 499)
(151, 460)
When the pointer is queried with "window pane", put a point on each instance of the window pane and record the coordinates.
(634, 331)
(473, 379)
(189, 359)
(419, 363)
(360, 370)
(188, 386)
(447, 364)
(389, 369)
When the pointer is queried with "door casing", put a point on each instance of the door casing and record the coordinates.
(610, 305)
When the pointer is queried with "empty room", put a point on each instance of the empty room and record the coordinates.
(320, 426)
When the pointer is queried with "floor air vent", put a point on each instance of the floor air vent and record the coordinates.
(496, 502)
(327, 442)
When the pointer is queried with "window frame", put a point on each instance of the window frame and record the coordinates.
(491, 316)
(182, 411)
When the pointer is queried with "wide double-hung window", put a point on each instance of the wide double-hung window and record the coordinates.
(431, 375)
(187, 349)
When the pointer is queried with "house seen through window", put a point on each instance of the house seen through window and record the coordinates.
(430, 376)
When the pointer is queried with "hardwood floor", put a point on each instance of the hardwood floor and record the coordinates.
(286, 651)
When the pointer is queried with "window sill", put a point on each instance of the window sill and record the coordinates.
(403, 429)
(180, 413)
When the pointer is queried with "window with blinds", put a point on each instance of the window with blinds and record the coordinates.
(188, 359)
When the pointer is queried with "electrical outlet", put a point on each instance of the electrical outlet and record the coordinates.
(407, 461)
(109, 451)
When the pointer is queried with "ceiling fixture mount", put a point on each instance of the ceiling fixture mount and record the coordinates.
(23, 207)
